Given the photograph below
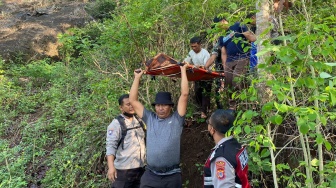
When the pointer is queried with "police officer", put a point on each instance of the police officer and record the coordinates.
(125, 151)
(226, 167)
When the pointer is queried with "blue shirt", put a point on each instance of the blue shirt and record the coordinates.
(253, 58)
(235, 43)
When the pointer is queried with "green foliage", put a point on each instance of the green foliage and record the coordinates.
(60, 109)
(77, 41)
(54, 114)
(200, 168)
(101, 9)
(299, 102)
(12, 169)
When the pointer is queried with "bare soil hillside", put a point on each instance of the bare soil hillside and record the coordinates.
(29, 28)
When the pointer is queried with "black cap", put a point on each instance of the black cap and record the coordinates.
(163, 98)
(218, 19)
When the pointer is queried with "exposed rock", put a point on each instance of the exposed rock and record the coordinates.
(30, 29)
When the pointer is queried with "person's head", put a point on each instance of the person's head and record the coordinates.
(252, 16)
(195, 44)
(125, 106)
(163, 104)
(223, 22)
(219, 123)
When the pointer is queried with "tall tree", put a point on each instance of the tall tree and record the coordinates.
(264, 92)
(262, 23)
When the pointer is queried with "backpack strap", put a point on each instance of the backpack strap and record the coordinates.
(142, 123)
(124, 129)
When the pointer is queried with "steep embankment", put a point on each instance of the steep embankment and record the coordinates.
(29, 28)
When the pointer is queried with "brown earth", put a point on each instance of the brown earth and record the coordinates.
(29, 30)
(195, 149)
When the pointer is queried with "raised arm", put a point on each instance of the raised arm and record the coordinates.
(224, 56)
(213, 55)
(133, 96)
(250, 36)
(183, 100)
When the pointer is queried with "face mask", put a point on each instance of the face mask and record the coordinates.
(128, 114)
(210, 136)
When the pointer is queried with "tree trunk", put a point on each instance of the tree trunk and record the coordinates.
(262, 23)
(264, 92)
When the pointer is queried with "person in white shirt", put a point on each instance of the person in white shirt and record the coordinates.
(198, 57)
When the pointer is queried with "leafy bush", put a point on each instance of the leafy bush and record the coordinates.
(101, 9)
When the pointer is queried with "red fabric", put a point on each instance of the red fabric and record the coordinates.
(242, 168)
(163, 65)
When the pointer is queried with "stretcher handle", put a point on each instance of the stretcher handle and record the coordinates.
(180, 63)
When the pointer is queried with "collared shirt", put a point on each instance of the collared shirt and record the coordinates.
(134, 152)
(163, 140)
(222, 172)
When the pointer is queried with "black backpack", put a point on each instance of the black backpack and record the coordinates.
(124, 130)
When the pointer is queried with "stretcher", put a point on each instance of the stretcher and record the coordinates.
(163, 65)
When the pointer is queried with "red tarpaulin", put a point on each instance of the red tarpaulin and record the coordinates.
(163, 65)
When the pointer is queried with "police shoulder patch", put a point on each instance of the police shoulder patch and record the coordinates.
(243, 158)
(220, 169)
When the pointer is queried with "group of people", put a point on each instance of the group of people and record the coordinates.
(143, 147)
(148, 155)
(231, 54)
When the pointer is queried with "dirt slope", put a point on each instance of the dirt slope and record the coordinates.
(30, 27)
